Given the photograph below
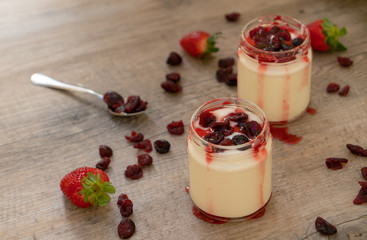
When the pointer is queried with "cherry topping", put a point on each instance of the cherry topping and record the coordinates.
(174, 59)
(113, 99)
(126, 228)
(335, 163)
(362, 195)
(214, 137)
(171, 87)
(103, 163)
(239, 139)
(237, 117)
(162, 146)
(332, 87)
(145, 160)
(174, 77)
(344, 61)
(357, 150)
(251, 129)
(135, 137)
(176, 128)
(324, 227)
(206, 119)
(233, 17)
(344, 91)
(105, 151)
(134, 172)
(146, 145)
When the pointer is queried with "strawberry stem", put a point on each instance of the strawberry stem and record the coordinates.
(210, 46)
(332, 34)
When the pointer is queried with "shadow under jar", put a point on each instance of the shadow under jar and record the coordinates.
(230, 174)
(274, 67)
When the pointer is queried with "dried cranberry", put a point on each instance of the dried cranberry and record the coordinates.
(357, 150)
(274, 30)
(332, 87)
(214, 137)
(113, 99)
(284, 35)
(103, 164)
(223, 127)
(105, 151)
(134, 172)
(171, 87)
(227, 142)
(126, 208)
(222, 74)
(145, 160)
(232, 79)
(286, 47)
(233, 17)
(251, 129)
(174, 77)
(126, 228)
(239, 139)
(135, 137)
(237, 117)
(344, 61)
(121, 199)
(362, 195)
(324, 227)
(146, 145)
(226, 62)
(142, 106)
(119, 109)
(176, 128)
(297, 41)
(174, 59)
(206, 119)
(132, 103)
(335, 163)
(162, 146)
(364, 172)
(260, 35)
(344, 91)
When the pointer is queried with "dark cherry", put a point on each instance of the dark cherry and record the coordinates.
(105, 151)
(126, 228)
(297, 41)
(121, 199)
(344, 91)
(146, 145)
(239, 139)
(134, 172)
(231, 80)
(332, 87)
(162, 146)
(103, 163)
(206, 119)
(357, 150)
(132, 104)
(362, 195)
(226, 62)
(135, 137)
(214, 137)
(176, 128)
(251, 129)
(126, 208)
(344, 61)
(171, 87)
(335, 163)
(174, 59)
(237, 117)
(324, 227)
(145, 160)
(232, 17)
(174, 77)
(113, 99)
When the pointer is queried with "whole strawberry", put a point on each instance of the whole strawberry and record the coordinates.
(87, 187)
(324, 36)
(199, 44)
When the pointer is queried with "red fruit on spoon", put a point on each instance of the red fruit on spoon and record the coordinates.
(200, 44)
(324, 36)
(87, 186)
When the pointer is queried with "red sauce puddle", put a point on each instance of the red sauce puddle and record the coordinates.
(281, 133)
(311, 111)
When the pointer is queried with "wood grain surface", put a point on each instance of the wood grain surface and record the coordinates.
(123, 45)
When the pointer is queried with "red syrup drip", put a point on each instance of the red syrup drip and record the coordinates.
(285, 104)
(311, 111)
(261, 157)
(260, 88)
(187, 189)
(281, 133)
(305, 74)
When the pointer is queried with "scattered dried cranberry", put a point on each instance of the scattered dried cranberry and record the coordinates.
(344, 91)
(126, 228)
(357, 150)
(226, 62)
(142, 106)
(364, 172)
(324, 227)
(145, 160)
(132, 104)
(121, 199)
(162, 146)
(134, 172)
(206, 119)
(214, 137)
(105, 151)
(113, 99)
(103, 164)
(135, 137)
(221, 75)
(146, 145)
(126, 208)
(176, 128)
(233, 17)
(362, 195)
(239, 139)
(335, 163)
(174, 59)
(344, 61)
(227, 142)
(251, 129)
(237, 117)
(171, 87)
(231, 79)
(174, 77)
(332, 87)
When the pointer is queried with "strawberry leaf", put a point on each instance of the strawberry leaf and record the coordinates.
(332, 33)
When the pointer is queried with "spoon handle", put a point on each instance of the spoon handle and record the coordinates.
(45, 81)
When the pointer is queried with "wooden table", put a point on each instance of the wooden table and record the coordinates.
(123, 46)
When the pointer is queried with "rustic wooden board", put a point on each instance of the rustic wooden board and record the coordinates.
(123, 46)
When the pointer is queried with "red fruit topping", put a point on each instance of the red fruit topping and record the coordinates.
(226, 62)
(126, 228)
(344, 61)
(113, 99)
(335, 163)
(135, 137)
(357, 150)
(105, 151)
(176, 128)
(146, 145)
(297, 41)
(121, 199)
(239, 139)
(233, 17)
(132, 104)
(227, 142)
(231, 79)
(251, 129)
(174, 59)
(223, 127)
(162, 146)
(174, 77)
(362, 195)
(206, 119)
(332, 87)
(171, 87)
(214, 137)
(344, 91)
(237, 117)
(364, 172)
(103, 164)
(145, 160)
(126, 208)
(324, 227)
(134, 172)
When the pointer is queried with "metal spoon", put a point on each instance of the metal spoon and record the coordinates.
(45, 81)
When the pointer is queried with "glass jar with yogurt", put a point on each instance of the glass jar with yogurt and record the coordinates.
(274, 67)
(230, 159)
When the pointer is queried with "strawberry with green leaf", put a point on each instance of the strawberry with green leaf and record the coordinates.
(200, 44)
(87, 187)
(324, 36)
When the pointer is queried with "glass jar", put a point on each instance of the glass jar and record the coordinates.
(230, 182)
(276, 77)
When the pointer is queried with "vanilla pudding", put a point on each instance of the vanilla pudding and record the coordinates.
(274, 67)
(230, 161)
